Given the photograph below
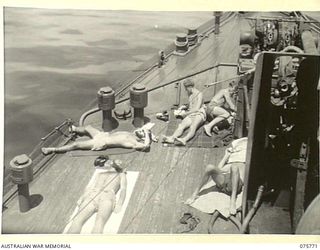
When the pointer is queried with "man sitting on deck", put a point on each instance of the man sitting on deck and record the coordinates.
(228, 175)
(216, 109)
(100, 195)
(139, 140)
(193, 118)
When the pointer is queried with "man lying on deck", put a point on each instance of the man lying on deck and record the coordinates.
(216, 109)
(100, 195)
(229, 173)
(139, 140)
(193, 118)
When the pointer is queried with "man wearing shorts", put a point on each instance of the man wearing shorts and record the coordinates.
(228, 175)
(103, 140)
(193, 118)
(100, 195)
(216, 109)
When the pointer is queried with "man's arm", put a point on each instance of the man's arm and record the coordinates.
(147, 142)
(225, 158)
(197, 106)
(229, 101)
(195, 194)
(147, 139)
(123, 192)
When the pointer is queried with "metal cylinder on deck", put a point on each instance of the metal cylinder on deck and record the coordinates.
(106, 102)
(22, 174)
(217, 15)
(138, 100)
(181, 43)
(192, 36)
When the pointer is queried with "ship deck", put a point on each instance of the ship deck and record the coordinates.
(167, 175)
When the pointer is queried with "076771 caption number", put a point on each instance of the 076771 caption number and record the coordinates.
(308, 245)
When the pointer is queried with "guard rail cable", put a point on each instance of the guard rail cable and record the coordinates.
(41, 160)
(96, 109)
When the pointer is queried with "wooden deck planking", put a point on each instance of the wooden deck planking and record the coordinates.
(60, 185)
(160, 212)
(66, 178)
(164, 218)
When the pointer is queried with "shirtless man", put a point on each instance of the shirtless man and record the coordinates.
(100, 195)
(228, 175)
(103, 140)
(193, 118)
(215, 108)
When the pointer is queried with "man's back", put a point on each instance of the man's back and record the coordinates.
(219, 98)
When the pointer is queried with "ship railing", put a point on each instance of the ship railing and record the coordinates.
(85, 115)
(204, 29)
(58, 136)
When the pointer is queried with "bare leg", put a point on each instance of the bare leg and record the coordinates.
(104, 212)
(235, 176)
(87, 130)
(211, 171)
(186, 123)
(85, 213)
(196, 123)
(216, 174)
(220, 114)
(84, 145)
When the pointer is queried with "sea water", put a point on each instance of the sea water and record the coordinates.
(56, 60)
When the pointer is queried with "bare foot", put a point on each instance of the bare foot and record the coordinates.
(168, 139)
(181, 141)
(72, 129)
(215, 130)
(47, 151)
(207, 130)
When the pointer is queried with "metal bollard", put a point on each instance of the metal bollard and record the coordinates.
(192, 36)
(138, 100)
(22, 174)
(106, 102)
(181, 43)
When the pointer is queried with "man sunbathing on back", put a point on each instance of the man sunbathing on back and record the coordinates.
(100, 195)
(140, 139)
(228, 175)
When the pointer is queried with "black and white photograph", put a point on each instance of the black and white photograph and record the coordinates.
(161, 122)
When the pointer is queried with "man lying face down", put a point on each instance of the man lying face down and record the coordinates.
(140, 140)
(100, 195)
(228, 175)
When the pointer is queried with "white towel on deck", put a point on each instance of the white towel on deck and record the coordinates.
(212, 201)
(114, 222)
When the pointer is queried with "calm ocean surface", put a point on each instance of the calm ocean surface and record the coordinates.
(56, 60)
